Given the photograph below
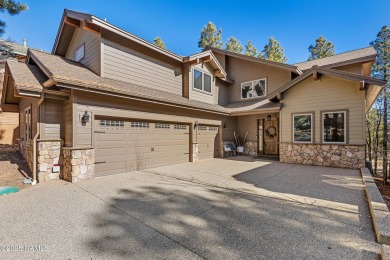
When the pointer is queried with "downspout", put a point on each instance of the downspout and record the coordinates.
(34, 181)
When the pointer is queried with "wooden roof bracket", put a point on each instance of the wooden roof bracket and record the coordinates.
(91, 27)
(71, 21)
(362, 85)
(316, 75)
(279, 96)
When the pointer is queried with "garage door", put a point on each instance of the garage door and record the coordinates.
(122, 146)
(208, 142)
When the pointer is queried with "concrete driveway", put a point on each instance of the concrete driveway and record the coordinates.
(214, 209)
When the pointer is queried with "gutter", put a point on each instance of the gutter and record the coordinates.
(35, 143)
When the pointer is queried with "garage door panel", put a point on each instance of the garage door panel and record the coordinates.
(138, 146)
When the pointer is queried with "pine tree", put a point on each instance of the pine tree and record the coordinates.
(381, 70)
(159, 43)
(210, 36)
(273, 51)
(250, 50)
(234, 45)
(321, 49)
(13, 8)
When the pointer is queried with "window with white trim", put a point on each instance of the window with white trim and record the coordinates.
(255, 88)
(202, 81)
(334, 126)
(27, 124)
(79, 53)
(303, 128)
(203, 128)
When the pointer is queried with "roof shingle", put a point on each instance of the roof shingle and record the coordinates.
(338, 58)
(26, 76)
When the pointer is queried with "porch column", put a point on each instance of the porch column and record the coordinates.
(220, 142)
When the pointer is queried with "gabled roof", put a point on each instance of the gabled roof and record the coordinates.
(89, 21)
(212, 60)
(252, 105)
(330, 72)
(13, 47)
(278, 65)
(70, 74)
(361, 55)
(25, 76)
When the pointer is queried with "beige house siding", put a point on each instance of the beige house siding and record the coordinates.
(52, 111)
(92, 49)
(199, 95)
(221, 59)
(326, 94)
(353, 68)
(124, 64)
(9, 127)
(242, 71)
(221, 96)
(68, 129)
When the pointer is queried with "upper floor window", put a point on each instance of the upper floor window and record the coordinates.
(334, 126)
(255, 88)
(202, 81)
(79, 53)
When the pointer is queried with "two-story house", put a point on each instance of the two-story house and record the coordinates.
(106, 101)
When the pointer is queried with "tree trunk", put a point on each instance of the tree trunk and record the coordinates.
(385, 136)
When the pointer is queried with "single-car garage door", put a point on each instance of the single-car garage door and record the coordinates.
(122, 146)
(208, 142)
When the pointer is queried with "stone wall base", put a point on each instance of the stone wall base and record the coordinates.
(9, 148)
(195, 152)
(48, 153)
(250, 148)
(78, 164)
(342, 156)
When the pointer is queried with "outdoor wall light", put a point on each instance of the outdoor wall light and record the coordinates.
(269, 118)
(224, 126)
(196, 125)
(85, 118)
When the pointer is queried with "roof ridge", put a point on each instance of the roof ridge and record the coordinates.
(334, 55)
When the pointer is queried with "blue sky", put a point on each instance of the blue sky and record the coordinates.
(349, 24)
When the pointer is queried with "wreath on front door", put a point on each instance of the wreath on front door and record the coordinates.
(270, 132)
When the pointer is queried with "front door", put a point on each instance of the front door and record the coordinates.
(271, 132)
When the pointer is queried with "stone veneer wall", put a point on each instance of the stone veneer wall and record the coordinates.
(8, 148)
(344, 156)
(27, 152)
(250, 148)
(195, 152)
(78, 164)
(48, 152)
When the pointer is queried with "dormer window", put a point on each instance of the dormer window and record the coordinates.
(252, 89)
(79, 53)
(202, 81)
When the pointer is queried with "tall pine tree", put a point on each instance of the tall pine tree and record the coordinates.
(381, 70)
(13, 8)
(159, 43)
(321, 49)
(273, 51)
(210, 36)
(234, 45)
(250, 49)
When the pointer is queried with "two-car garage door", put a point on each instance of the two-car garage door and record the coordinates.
(122, 146)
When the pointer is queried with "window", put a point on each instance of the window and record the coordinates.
(203, 128)
(303, 128)
(334, 127)
(111, 123)
(255, 88)
(79, 53)
(202, 81)
(164, 126)
(139, 124)
(180, 127)
(27, 124)
(213, 128)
